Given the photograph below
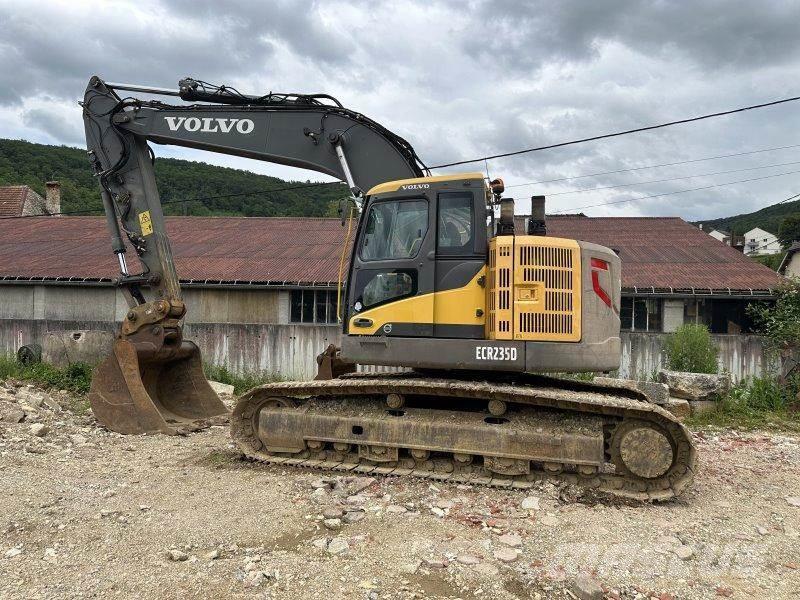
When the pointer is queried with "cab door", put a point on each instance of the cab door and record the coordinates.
(394, 269)
(460, 261)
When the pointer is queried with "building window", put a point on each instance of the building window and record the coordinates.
(640, 314)
(313, 306)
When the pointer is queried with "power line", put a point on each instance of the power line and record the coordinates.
(619, 133)
(619, 185)
(672, 164)
(707, 187)
(200, 199)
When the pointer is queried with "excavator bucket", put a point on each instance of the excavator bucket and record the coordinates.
(140, 390)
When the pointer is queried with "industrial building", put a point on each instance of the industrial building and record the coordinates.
(262, 292)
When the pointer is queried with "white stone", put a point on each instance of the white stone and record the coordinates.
(506, 555)
(468, 559)
(39, 429)
(13, 552)
(793, 501)
(397, 509)
(684, 552)
(338, 545)
(530, 503)
(320, 543)
(221, 388)
(213, 555)
(410, 568)
(332, 523)
(177, 555)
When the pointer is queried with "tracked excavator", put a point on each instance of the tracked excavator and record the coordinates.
(439, 282)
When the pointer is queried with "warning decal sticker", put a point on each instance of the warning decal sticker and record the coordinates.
(145, 222)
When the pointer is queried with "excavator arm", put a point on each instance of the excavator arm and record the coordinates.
(154, 380)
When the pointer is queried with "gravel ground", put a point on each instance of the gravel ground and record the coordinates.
(88, 513)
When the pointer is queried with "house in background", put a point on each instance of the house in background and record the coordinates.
(734, 241)
(722, 236)
(21, 200)
(758, 242)
(790, 265)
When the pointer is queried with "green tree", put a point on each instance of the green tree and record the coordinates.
(789, 230)
(691, 349)
(780, 322)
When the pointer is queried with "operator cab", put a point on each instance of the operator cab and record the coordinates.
(418, 238)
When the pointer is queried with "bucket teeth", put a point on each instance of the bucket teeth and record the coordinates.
(134, 391)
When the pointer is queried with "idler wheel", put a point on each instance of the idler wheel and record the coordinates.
(643, 449)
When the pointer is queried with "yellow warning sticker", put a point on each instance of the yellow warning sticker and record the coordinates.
(145, 222)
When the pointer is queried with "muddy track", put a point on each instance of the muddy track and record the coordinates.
(621, 412)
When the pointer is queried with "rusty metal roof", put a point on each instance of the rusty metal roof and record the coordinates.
(12, 199)
(658, 253)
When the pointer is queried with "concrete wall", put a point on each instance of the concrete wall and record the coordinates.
(105, 303)
(290, 350)
(742, 356)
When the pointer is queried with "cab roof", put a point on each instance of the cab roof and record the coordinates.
(393, 186)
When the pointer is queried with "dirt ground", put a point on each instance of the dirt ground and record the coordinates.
(88, 513)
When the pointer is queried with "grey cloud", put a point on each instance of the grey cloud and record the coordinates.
(112, 44)
(66, 129)
(457, 80)
(713, 34)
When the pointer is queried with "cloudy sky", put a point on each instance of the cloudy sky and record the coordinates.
(459, 80)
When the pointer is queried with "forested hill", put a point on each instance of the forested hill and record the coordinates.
(768, 219)
(24, 163)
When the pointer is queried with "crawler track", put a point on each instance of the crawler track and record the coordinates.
(646, 453)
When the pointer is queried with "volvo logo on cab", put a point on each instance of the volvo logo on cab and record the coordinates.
(210, 124)
(416, 186)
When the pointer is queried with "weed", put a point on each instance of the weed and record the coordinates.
(240, 382)
(75, 377)
(690, 349)
(760, 402)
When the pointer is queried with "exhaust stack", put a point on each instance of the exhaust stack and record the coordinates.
(537, 224)
(505, 226)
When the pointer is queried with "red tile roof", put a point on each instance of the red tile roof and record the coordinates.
(12, 197)
(656, 252)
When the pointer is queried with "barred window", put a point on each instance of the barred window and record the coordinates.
(313, 306)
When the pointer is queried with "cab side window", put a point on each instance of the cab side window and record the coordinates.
(455, 224)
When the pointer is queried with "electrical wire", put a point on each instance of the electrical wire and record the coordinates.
(620, 185)
(707, 187)
(672, 164)
(619, 133)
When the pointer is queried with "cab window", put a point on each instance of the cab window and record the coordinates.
(395, 230)
(455, 223)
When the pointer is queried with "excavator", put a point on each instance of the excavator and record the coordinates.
(440, 282)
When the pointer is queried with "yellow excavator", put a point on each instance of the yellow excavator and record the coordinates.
(439, 282)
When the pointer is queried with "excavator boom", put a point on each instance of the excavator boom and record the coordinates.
(153, 381)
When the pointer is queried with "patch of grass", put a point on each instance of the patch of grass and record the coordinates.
(240, 382)
(758, 403)
(76, 377)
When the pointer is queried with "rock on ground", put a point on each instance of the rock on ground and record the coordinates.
(695, 386)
